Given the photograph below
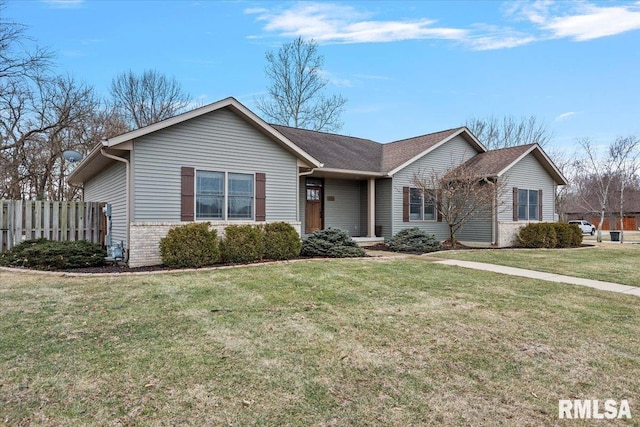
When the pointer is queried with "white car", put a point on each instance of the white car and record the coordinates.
(585, 226)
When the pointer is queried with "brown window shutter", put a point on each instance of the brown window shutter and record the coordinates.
(405, 204)
(187, 194)
(439, 205)
(261, 197)
(540, 205)
(515, 203)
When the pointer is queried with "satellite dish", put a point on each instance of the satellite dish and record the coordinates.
(72, 156)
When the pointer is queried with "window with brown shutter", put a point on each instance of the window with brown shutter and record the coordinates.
(405, 204)
(439, 205)
(261, 196)
(540, 205)
(515, 203)
(187, 194)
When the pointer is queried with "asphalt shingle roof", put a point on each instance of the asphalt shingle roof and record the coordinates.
(492, 162)
(336, 151)
(350, 153)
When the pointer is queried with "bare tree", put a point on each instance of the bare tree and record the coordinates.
(594, 179)
(565, 165)
(295, 93)
(509, 131)
(147, 98)
(19, 67)
(625, 156)
(40, 122)
(459, 195)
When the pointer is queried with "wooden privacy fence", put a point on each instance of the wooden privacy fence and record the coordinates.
(25, 220)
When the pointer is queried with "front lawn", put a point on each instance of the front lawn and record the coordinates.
(346, 342)
(606, 262)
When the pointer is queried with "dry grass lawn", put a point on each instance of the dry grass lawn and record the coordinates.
(352, 342)
(606, 261)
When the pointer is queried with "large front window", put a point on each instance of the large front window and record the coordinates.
(528, 205)
(422, 206)
(221, 195)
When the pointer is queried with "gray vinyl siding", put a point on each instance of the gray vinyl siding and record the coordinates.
(364, 211)
(383, 207)
(528, 174)
(452, 153)
(477, 229)
(218, 141)
(344, 211)
(109, 186)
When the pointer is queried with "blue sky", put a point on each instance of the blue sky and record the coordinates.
(406, 68)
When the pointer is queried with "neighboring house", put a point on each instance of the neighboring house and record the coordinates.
(222, 163)
(578, 208)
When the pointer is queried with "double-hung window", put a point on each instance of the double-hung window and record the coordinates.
(528, 205)
(422, 206)
(224, 195)
(240, 203)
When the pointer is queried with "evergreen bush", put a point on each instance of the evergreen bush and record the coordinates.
(190, 246)
(568, 235)
(281, 241)
(43, 254)
(331, 243)
(414, 240)
(242, 243)
(537, 235)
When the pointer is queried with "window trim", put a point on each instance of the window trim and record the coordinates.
(225, 209)
(434, 202)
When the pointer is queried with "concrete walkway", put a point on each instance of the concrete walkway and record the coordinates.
(551, 277)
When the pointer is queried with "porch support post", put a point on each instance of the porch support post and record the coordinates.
(371, 208)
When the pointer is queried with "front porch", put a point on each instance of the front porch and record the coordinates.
(343, 201)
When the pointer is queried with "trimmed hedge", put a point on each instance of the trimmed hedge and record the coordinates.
(190, 246)
(549, 235)
(43, 254)
(281, 241)
(331, 243)
(414, 240)
(242, 243)
(569, 235)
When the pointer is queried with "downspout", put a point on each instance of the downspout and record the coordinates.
(127, 180)
(494, 210)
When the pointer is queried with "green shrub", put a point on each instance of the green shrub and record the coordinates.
(190, 246)
(568, 235)
(537, 235)
(281, 241)
(414, 240)
(242, 243)
(331, 243)
(43, 254)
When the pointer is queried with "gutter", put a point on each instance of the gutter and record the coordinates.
(127, 181)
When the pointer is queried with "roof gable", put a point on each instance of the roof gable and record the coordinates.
(92, 164)
(496, 163)
(400, 154)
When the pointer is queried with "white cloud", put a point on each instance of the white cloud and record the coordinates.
(566, 115)
(579, 21)
(335, 80)
(593, 22)
(537, 20)
(64, 4)
(332, 23)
